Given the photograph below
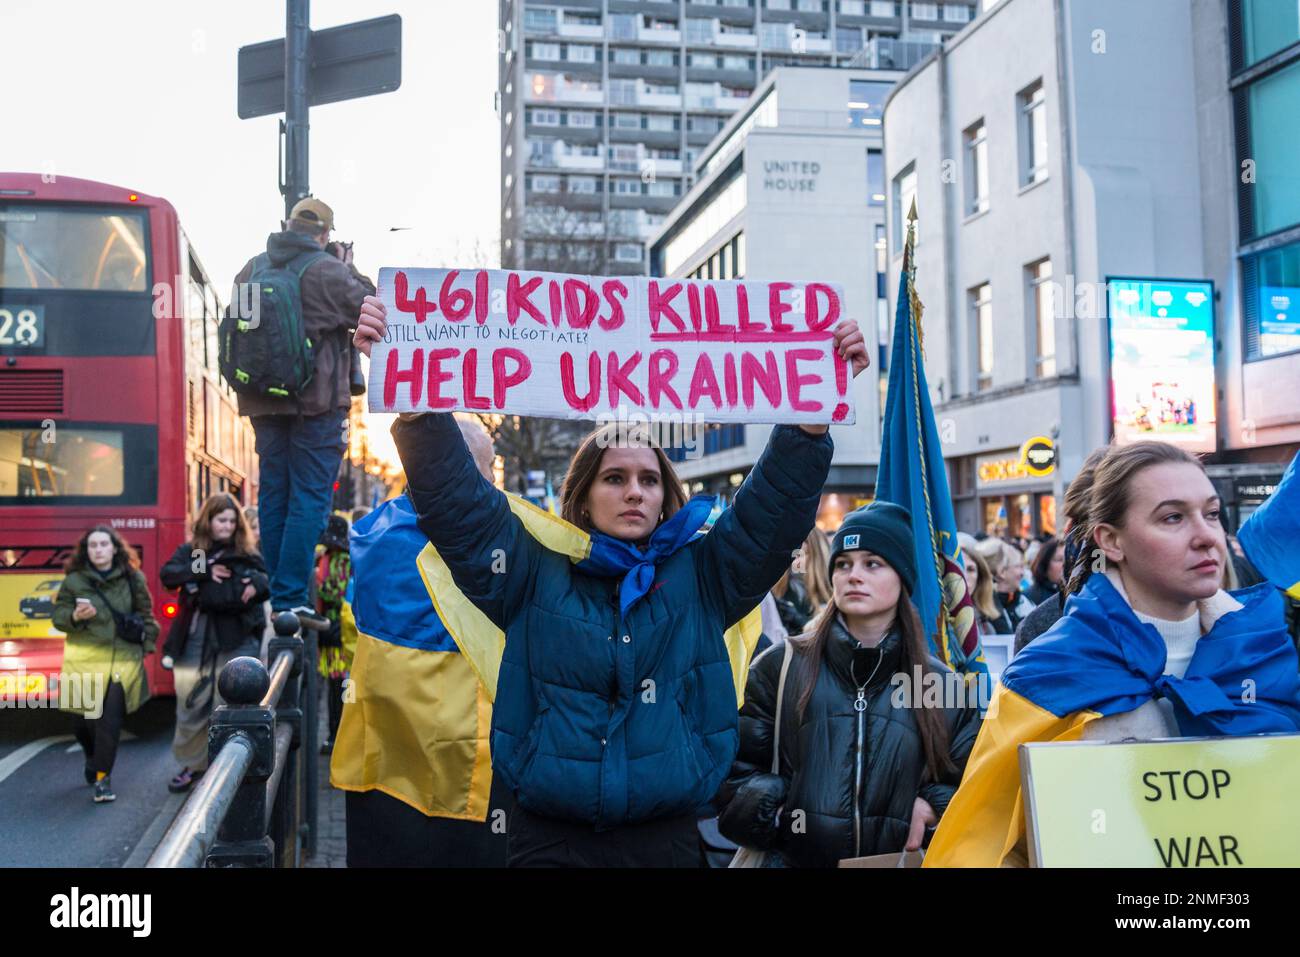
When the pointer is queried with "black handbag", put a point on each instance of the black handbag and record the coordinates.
(129, 626)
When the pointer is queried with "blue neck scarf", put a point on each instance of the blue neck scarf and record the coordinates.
(1101, 657)
(613, 557)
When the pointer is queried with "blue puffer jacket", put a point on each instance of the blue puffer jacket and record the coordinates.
(602, 719)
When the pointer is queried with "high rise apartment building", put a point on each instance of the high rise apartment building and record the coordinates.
(605, 104)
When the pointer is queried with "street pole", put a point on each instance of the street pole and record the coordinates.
(297, 60)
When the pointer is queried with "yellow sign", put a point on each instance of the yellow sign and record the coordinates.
(1038, 456)
(26, 604)
(1001, 470)
(1189, 802)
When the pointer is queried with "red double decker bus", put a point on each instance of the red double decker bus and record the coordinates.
(111, 407)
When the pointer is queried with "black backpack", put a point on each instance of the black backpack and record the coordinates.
(269, 352)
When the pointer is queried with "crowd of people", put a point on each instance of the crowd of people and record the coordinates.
(667, 686)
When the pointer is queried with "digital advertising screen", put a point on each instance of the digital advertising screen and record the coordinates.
(1162, 361)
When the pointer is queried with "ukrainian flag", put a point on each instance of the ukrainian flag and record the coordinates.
(1100, 660)
(418, 715)
(1271, 535)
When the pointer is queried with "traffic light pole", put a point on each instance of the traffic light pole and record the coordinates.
(297, 62)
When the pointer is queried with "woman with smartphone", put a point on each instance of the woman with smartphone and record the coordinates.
(105, 610)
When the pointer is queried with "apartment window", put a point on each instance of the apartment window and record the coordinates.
(544, 117)
(703, 124)
(544, 51)
(884, 8)
(625, 55)
(778, 4)
(660, 58)
(1033, 134)
(777, 36)
(582, 184)
(540, 19)
(580, 53)
(977, 169)
(627, 121)
(732, 62)
(699, 31)
(904, 194)
(661, 89)
(738, 255)
(662, 187)
(875, 178)
(582, 19)
(848, 39)
(811, 6)
(538, 150)
(628, 252)
(981, 305)
(664, 153)
(866, 101)
(583, 119)
(925, 11)
(956, 13)
(544, 184)
(625, 187)
(1039, 276)
(660, 122)
(705, 61)
(854, 8)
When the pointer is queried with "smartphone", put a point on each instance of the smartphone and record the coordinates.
(83, 601)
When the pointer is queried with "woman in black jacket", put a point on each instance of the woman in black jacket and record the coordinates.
(869, 759)
(223, 584)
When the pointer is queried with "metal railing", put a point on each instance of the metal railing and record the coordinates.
(257, 804)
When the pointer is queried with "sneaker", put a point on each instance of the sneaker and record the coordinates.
(104, 791)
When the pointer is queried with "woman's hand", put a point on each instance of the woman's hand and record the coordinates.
(249, 591)
(84, 611)
(922, 817)
(371, 324)
(219, 572)
(852, 348)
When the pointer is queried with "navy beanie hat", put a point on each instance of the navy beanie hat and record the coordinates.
(885, 529)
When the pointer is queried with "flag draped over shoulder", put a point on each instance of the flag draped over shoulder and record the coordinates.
(1271, 535)
(416, 722)
(912, 474)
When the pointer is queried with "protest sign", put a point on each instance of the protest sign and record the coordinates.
(1187, 802)
(564, 346)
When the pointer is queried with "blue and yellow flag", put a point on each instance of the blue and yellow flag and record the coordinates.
(1271, 535)
(912, 474)
(417, 717)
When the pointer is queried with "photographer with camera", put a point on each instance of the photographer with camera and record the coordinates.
(293, 366)
(105, 610)
(223, 586)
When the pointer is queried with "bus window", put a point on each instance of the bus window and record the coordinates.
(86, 465)
(43, 247)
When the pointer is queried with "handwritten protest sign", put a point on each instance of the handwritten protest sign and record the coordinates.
(563, 346)
(1203, 802)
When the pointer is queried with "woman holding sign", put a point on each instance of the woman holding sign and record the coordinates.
(615, 710)
(1149, 647)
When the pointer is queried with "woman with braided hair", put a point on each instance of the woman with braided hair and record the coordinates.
(1149, 647)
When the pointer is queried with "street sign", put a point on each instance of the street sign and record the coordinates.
(356, 59)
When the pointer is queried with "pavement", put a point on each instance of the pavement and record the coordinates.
(47, 818)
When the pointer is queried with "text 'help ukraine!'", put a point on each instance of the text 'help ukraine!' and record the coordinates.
(566, 346)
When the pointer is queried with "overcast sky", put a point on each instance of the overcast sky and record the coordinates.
(142, 94)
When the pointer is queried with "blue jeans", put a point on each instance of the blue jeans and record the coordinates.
(299, 460)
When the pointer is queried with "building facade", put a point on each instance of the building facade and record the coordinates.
(606, 104)
(1126, 167)
(793, 189)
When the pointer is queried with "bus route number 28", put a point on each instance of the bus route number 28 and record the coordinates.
(21, 326)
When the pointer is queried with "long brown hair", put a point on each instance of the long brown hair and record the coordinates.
(1111, 492)
(816, 569)
(586, 466)
(124, 555)
(811, 647)
(214, 505)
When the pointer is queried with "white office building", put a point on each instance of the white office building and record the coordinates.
(793, 188)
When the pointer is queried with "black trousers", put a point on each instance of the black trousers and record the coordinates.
(544, 842)
(386, 832)
(334, 697)
(99, 737)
